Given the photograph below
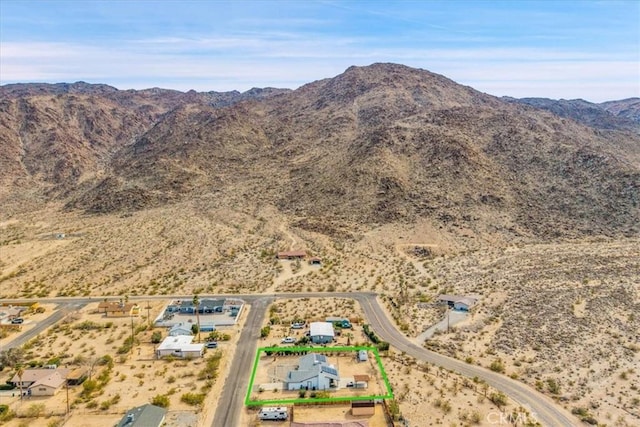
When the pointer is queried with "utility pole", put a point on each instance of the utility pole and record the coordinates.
(131, 333)
(67, 383)
(148, 307)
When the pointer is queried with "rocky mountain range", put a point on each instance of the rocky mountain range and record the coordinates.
(377, 144)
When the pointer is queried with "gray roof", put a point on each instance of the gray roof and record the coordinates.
(311, 365)
(143, 416)
(308, 361)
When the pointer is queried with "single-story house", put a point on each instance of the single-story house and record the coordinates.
(41, 382)
(118, 309)
(464, 304)
(458, 302)
(321, 332)
(204, 306)
(292, 255)
(143, 416)
(313, 373)
(180, 329)
(180, 346)
(207, 327)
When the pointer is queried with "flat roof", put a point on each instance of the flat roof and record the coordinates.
(321, 328)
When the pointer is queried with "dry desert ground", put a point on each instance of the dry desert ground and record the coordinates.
(561, 317)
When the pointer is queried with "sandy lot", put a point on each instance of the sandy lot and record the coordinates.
(135, 377)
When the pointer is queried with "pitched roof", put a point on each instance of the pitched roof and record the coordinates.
(143, 416)
(311, 365)
(53, 380)
(33, 375)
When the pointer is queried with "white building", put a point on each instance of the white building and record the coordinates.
(314, 373)
(321, 332)
(180, 346)
(180, 329)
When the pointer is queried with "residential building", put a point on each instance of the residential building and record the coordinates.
(40, 382)
(321, 332)
(180, 346)
(143, 416)
(313, 373)
(181, 329)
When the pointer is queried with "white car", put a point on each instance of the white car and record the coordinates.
(288, 340)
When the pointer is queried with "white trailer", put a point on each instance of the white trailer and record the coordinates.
(277, 413)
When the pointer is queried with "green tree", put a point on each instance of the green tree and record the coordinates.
(156, 337)
(196, 304)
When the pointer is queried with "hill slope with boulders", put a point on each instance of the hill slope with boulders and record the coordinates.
(375, 145)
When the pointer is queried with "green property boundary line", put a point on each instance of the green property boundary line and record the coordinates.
(249, 402)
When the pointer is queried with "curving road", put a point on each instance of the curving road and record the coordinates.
(542, 408)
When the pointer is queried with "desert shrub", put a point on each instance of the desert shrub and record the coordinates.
(35, 410)
(161, 400)
(156, 337)
(498, 399)
(193, 399)
(6, 413)
(553, 386)
(497, 366)
(264, 332)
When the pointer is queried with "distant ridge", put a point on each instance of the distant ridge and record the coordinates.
(374, 145)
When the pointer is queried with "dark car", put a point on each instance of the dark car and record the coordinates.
(17, 320)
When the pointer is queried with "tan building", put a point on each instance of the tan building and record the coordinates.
(41, 382)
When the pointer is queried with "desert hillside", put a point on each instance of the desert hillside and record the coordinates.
(375, 145)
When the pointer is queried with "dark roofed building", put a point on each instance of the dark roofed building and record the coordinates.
(292, 255)
(143, 416)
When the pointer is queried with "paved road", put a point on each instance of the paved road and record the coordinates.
(230, 404)
(56, 316)
(231, 400)
(543, 409)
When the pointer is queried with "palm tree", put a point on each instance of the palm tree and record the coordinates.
(196, 304)
(20, 373)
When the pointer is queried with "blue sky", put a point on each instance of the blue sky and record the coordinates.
(555, 49)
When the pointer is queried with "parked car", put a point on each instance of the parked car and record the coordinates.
(288, 340)
(212, 344)
(297, 326)
(17, 320)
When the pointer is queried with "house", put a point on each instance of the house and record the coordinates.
(313, 373)
(118, 309)
(292, 255)
(143, 416)
(458, 302)
(464, 304)
(204, 306)
(180, 329)
(180, 346)
(41, 382)
(321, 332)
(207, 327)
